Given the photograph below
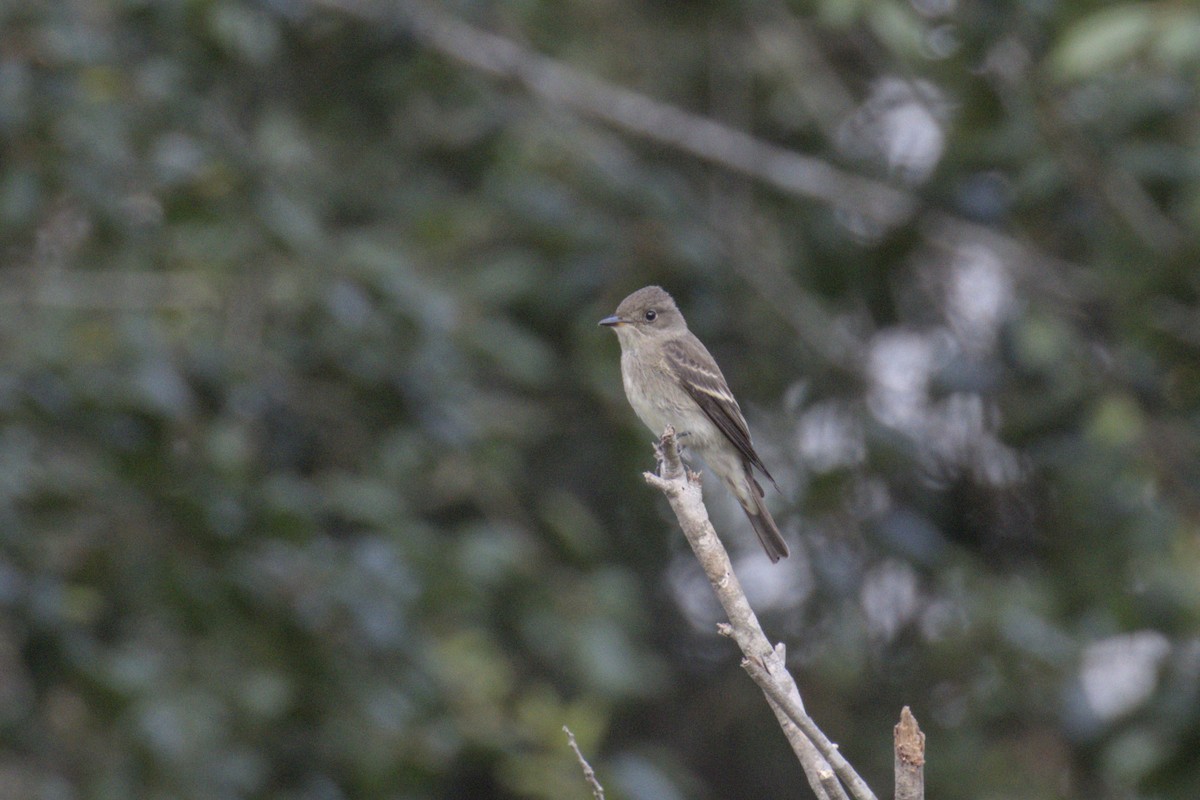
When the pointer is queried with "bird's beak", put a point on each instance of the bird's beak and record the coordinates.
(613, 321)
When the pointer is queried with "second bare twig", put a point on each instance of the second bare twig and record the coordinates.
(589, 774)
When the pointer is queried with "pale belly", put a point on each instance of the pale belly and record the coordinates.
(671, 405)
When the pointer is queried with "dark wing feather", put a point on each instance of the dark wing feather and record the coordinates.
(700, 376)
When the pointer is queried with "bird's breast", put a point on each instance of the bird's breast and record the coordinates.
(644, 386)
(658, 400)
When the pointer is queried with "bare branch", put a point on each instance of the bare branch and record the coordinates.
(682, 489)
(830, 782)
(910, 758)
(770, 686)
(589, 774)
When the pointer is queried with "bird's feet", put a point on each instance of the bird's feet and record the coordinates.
(680, 451)
(681, 448)
(659, 457)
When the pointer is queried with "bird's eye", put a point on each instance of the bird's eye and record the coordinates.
(651, 315)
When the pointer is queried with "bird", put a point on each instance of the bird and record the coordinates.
(670, 378)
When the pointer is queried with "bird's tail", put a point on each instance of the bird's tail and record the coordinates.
(764, 524)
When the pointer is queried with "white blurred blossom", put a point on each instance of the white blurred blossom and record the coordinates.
(1119, 673)
(900, 125)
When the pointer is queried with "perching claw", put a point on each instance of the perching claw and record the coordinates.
(670, 437)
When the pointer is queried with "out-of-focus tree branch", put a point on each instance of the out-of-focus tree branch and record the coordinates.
(109, 290)
(636, 113)
(1117, 189)
(818, 756)
(866, 200)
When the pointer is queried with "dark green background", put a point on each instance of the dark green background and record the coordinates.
(316, 476)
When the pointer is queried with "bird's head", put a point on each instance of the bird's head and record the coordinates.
(646, 312)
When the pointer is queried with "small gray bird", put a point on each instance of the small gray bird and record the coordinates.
(671, 379)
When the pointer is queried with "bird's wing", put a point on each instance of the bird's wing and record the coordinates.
(700, 377)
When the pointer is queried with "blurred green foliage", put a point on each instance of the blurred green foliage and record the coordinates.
(316, 477)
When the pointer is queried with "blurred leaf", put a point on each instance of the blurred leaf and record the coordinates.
(1110, 36)
(1116, 422)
